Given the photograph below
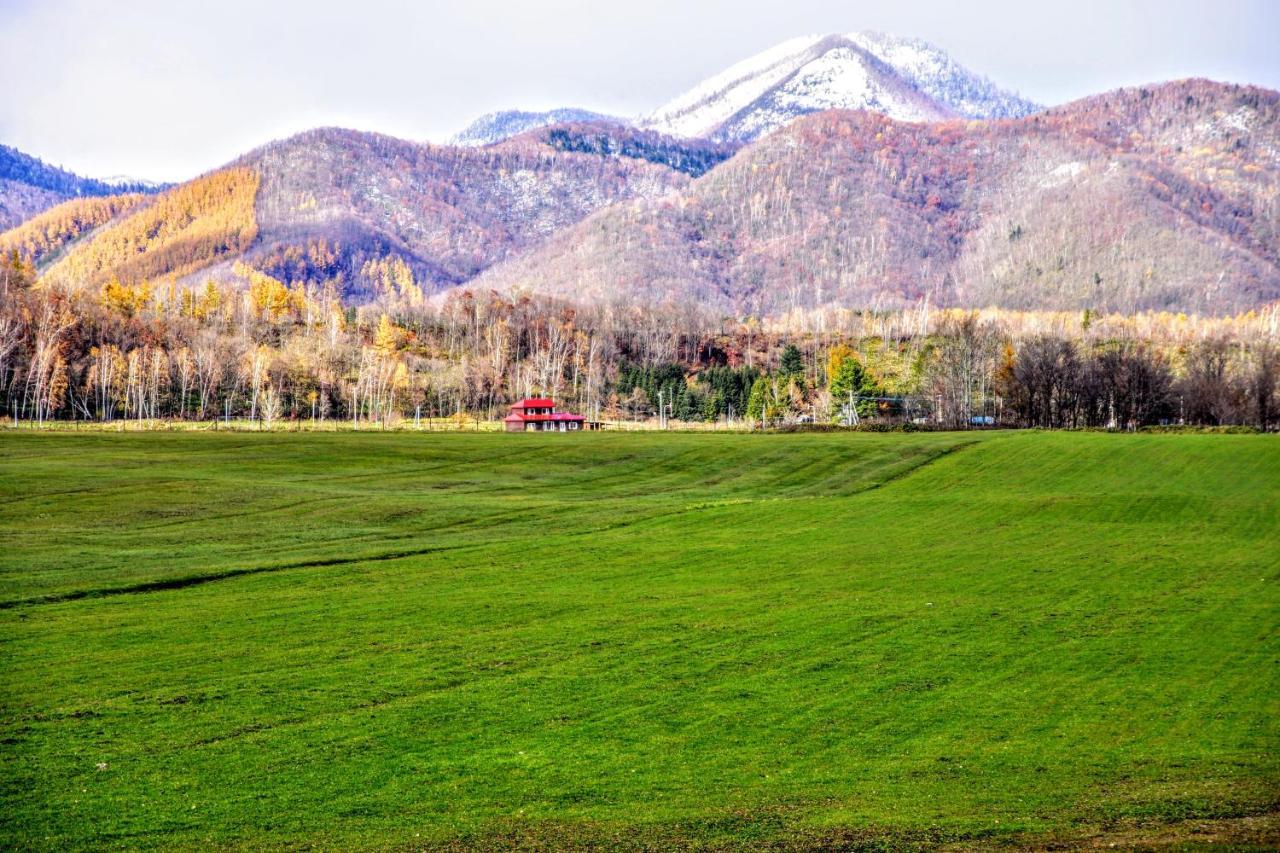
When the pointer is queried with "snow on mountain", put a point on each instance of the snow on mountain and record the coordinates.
(938, 75)
(905, 79)
(1155, 198)
(128, 182)
(495, 127)
(841, 76)
(703, 108)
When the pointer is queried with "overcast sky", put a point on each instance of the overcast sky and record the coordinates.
(165, 89)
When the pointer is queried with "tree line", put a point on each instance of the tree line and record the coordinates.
(273, 352)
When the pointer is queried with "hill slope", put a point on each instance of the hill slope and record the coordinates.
(184, 230)
(1147, 198)
(905, 79)
(42, 237)
(1166, 197)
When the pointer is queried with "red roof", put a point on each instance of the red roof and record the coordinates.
(558, 416)
(520, 413)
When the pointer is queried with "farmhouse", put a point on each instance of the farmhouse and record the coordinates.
(539, 413)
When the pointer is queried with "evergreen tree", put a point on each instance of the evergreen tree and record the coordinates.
(792, 364)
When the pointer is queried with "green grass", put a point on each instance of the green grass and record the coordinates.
(639, 640)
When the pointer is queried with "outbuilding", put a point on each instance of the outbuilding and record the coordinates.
(535, 414)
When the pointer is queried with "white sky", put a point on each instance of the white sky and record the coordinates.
(165, 89)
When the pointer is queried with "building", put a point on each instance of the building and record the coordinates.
(533, 414)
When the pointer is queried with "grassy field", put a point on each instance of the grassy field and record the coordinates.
(865, 641)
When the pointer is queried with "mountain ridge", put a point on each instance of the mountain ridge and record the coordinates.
(326, 202)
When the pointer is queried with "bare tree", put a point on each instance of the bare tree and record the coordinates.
(961, 372)
(1208, 394)
(1263, 379)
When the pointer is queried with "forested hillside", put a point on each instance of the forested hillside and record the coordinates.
(185, 229)
(449, 213)
(40, 238)
(1163, 198)
(320, 207)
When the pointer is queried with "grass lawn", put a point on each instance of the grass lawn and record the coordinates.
(402, 641)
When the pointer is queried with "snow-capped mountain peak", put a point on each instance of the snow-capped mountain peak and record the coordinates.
(715, 99)
(906, 79)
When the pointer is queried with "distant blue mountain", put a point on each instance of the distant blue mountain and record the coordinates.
(28, 186)
(23, 168)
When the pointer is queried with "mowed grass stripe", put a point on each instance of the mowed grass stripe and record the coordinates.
(261, 510)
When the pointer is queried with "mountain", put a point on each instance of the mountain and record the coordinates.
(904, 79)
(28, 186)
(1166, 197)
(495, 127)
(318, 207)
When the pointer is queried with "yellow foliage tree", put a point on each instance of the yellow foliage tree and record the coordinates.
(836, 357)
(271, 297)
(391, 276)
(43, 235)
(386, 339)
(126, 299)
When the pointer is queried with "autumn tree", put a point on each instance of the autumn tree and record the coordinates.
(848, 382)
